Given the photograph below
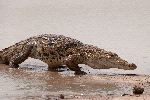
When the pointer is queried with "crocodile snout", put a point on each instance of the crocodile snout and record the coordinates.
(132, 66)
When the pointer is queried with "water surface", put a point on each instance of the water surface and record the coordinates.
(25, 82)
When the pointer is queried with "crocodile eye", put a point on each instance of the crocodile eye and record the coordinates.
(114, 55)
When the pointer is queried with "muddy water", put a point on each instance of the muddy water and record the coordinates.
(25, 82)
(118, 26)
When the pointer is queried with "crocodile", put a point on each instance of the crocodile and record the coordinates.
(59, 50)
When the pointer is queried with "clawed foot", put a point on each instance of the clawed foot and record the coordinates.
(80, 73)
(13, 65)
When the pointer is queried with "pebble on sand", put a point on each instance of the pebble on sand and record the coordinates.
(138, 90)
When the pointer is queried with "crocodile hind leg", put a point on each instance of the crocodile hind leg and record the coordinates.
(56, 68)
(52, 68)
(20, 57)
(72, 63)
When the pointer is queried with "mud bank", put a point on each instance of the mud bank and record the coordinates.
(124, 81)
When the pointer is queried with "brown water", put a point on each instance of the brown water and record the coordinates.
(25, 83)
(119, 26)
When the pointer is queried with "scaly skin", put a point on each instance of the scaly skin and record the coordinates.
(58, 50)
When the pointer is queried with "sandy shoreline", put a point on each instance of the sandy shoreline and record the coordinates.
(123, 80)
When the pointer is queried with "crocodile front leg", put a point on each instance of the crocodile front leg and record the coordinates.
(20, 57)
(72, 63)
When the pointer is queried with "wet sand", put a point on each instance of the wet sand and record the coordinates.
(37, 84)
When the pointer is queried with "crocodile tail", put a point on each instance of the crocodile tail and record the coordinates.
(1, 52)
(0, 57)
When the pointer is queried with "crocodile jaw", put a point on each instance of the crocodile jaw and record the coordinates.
(107, 63)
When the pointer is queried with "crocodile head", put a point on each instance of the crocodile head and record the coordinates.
(101, 59)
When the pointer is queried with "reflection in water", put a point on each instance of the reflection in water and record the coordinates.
(22, 83)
